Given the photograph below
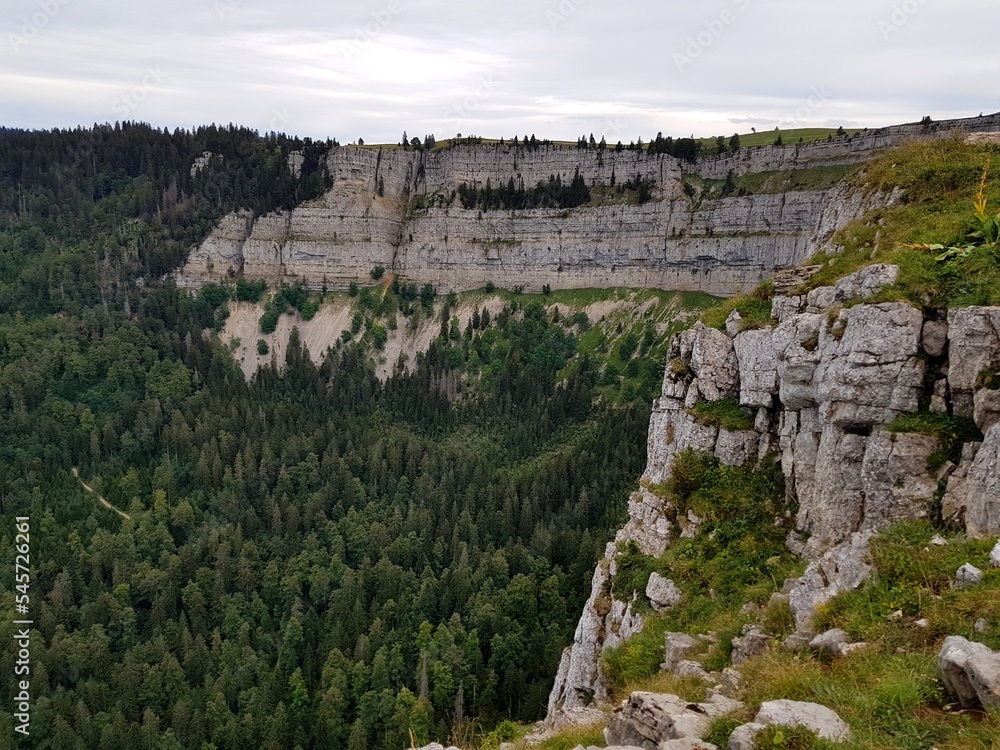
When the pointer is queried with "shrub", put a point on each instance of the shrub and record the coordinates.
(377, 273)
(269, 320)
(250, 290)
(262, 347)
(214, 294)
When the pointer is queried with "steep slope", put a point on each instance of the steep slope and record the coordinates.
(403, 210)
(878, 399)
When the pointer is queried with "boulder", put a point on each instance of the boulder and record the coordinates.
(796, 351)
(970, 671)
(688, 668)
(866, 282)
(819, 719)
(742, 738)
(966, 576)
(734, 324)
(798, 641)
(752, 642)
(662, 593)
(935, 337)
(675, 647)
(832, 641)
(647, 719)
(782, 307)
(995, 556)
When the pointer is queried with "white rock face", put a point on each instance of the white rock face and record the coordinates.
(820, 719)
(415, 224)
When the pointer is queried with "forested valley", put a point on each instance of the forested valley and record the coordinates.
(312, 559)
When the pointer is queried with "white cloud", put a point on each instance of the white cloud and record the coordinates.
(559, 68)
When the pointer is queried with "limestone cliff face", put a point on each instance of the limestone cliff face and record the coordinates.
(398, 209)
(823, 382)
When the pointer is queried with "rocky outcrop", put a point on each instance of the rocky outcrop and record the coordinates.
(400, 210)
(824, 390)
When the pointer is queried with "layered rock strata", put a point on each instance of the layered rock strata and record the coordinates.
(400, 210)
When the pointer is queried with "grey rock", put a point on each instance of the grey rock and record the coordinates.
(981, 626)
(895, 480)
(982, 483)
(790, 279)
(831, 641)
(872, 373)
(956, 493)
(578, 681)
(758, 371)
(798, 641)
(970, 671)
(796, 348)
(676, 647)
(820, 719)
(967, 575)
(843, 568)
(821, 298)
(735, 448)
(731, 681)
(670, 432)
(973, 347)
(662, 593)
(986, 408)
(734, 324)
(995, 556)
(849, 648)
(742, 738)
(866, 282)
(688, 743)
(688, 668)
(935, 337)
(752, 642)
(783, 308)
(648, 719)
(713, 361)
(938, 541)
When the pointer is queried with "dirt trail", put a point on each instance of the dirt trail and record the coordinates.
(103, 502)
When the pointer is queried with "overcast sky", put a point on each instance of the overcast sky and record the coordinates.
(556, 68)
